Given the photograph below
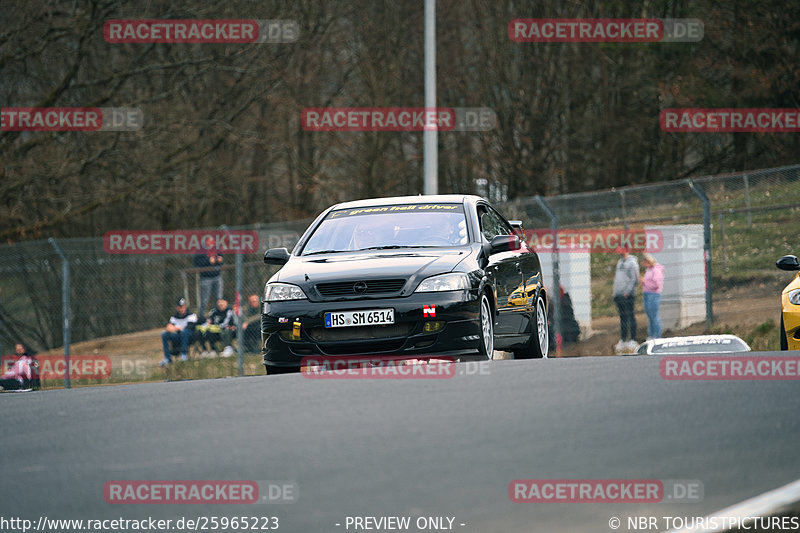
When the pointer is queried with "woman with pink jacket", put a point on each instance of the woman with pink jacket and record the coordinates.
(652, 285)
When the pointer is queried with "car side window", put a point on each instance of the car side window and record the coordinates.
(492, 224)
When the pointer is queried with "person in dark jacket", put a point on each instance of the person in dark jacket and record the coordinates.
(626, 279)
(211, 276)
(570, 329)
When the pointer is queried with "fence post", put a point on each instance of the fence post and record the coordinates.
(697, 190)
(555, 293)
(64, 307)
(722, 241)
(238, 309)
(624, 210)
(239, 303)
(747, 201)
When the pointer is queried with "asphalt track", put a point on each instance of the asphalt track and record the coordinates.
(440, 448)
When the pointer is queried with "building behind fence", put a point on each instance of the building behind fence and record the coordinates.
(749, 220)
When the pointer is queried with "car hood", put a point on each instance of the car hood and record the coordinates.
(794, 284)
(413, 265)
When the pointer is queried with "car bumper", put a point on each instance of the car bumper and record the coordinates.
(791, 322)
(294, 330)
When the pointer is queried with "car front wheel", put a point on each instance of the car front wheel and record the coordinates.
(487, 328)
(538, 346)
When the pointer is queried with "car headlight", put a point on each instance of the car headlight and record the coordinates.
(279, 292)
(794, 297)
(454, 281)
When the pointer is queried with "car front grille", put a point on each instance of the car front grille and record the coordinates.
(361, 287)
(360, 349)
(359, 332)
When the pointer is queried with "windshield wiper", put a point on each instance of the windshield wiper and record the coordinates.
(325, 252)
(393, 247)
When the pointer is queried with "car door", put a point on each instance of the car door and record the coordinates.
(506, 269)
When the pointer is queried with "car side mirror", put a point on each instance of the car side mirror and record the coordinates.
(276, 256)
(517, 226)
(504, 243)
(788, 262)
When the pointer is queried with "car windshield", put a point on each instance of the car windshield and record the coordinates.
(700, 346)
(388, 227)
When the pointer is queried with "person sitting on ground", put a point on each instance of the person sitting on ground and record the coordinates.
(219, 330)
(179, 331)
(23, 374)
(251, 324)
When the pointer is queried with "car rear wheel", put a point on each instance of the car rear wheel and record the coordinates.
(538, 346)
(487, 328)
(784, 341)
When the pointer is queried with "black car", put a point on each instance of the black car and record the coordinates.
(404, 277)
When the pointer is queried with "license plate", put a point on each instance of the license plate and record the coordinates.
(368, 317)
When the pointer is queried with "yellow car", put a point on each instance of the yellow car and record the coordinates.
(790, 305)
(521, 296)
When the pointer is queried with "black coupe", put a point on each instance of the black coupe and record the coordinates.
(406, 277)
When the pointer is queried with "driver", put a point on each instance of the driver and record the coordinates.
(369, 234)
(450, 232)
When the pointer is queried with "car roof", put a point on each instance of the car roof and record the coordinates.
(421, 199)
(692, 340)
(696, 339)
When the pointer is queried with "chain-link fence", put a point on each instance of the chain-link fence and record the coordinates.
(718, 257)
(717, 238)
(58, 293)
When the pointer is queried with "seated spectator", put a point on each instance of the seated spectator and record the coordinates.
(179, 331)
(23, 374)
(251, 325)
(218, 330)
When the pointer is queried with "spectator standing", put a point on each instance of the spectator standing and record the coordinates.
(652, 285)
(251, 324)
(626, 278)
(210, 278)
(179, 331)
